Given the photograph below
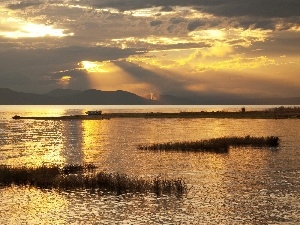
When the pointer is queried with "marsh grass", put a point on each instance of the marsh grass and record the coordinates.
(217, 145)
(73, 177)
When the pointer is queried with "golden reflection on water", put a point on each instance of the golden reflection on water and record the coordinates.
(24, 205)
(72, 141)
(94, 140)
(46, 111)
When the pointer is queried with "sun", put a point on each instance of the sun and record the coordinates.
(94, 66)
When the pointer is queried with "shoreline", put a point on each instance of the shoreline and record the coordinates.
(190, 115)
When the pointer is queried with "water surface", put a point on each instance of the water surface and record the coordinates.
(245, 186)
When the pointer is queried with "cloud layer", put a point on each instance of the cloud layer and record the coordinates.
(191, 47)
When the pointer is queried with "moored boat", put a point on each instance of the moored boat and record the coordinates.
(93, 112)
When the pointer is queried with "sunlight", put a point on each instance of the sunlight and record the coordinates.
(64, 81)
(237, 63)
(216, 34)
(238, 36)
(203, 35)
(91, 140)
(30, 30)
(33, 205)
(94, 66)
(252, 35)
(105, 76)
(147, 12)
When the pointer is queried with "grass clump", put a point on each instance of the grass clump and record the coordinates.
(217, 145)
(72, 177)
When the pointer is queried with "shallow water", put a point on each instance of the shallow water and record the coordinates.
(245, 186)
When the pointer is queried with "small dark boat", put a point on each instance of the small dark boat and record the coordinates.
(94, 112)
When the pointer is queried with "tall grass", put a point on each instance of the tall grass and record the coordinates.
(73, 177)
(218, 145)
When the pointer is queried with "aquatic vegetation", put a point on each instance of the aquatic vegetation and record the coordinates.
(72, 177)
(74, 168)
(285, 109)
(218, 145)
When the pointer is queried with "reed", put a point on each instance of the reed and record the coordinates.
(72, 177)
(218, 145)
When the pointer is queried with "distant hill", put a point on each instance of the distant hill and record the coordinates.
(225, 100)
(96, 97)
(72, 97)
(119, 97)
(62, 92)
(10, 97)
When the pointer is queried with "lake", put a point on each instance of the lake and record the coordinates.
(246, 186)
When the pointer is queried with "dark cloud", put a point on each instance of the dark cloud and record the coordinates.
(283, 44)
(228, 8)
(31, 69)
(78, 79)
(253, 23)
(11, 79)
(175, 20)
(162, 47)
(23, 4)
(193, 25)
(255, 8)
(20, 58)
(45, 82)
(156, 23)
(167, 9)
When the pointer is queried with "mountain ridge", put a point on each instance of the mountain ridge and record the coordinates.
(72, 97)
(120, 97)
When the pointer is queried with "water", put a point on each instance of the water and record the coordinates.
(245, 186)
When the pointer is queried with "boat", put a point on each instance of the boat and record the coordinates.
(93, 112)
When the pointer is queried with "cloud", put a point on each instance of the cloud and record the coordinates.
(282, 43)
(177, 20)
(193, 25)
(20, 58)
(11, 79)
(156, 23)
(19, 67)
(189, 37)
(228, 8)
(265, 14)
(23, 4)
(255, 8)
(73, 79)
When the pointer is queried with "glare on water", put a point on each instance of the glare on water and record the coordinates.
(245, 186)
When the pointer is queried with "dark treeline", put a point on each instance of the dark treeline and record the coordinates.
(72, 177)
(218, 145)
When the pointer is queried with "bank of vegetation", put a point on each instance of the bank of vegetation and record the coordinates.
(217, 145)
(73, 177)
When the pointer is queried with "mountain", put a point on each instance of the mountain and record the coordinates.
(203, 100)
(119, 97)
(10, 97)
(225, 100)
(72, 97)
(97, 97)
(62, 92)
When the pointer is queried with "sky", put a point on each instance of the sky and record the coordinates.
(234, 48)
